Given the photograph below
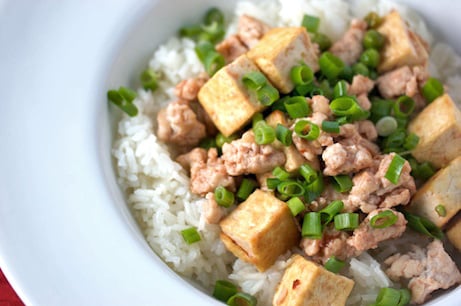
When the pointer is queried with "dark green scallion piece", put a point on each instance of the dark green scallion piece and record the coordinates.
(211, 60)
(309, 174)
(340, 89)
(149, 79)
(312, 226)
(246, 188)
(346, 221)
(395, 169)
(383, 219)
(422, 225)
(373, 39)
(297, 107)
(290, 188)
(283, 134)
(311, 23)
(295, 205)
(242, 299)
(123, 98)
(360, 68)
(331, 127)
(264, 134)
(342, 183)
(190, 235)
(221, 139)
(330, 65)
(301, 75)
(432, 89)
(373, 20)
(307, 130)
(223, 290)
(348, 107)
(328, 213)
(403, 107)
(334, 265)
(223, 197)
(441, 210)
(411, 141)
(370, 58)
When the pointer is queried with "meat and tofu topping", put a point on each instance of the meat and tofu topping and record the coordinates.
(332, 143)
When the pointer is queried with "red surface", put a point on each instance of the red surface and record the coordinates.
(7, 295)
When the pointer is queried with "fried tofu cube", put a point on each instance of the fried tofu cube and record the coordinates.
(454, 234)
(443, 188)
(294, 159)
(306, 283)
(281, 49)
(402, 47)
(226, 100)
(439, 129)
(260, 229)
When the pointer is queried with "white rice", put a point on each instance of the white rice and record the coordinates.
(157, 188)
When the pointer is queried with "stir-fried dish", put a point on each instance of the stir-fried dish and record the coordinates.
(323, 148)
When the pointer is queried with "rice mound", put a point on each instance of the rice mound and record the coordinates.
(157, 188)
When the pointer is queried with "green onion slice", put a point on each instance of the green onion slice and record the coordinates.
(280, 173)
(314, 189)
(258, 117)
(149, 79)
(342, 183)
(404, 107)
(295, 205)
(322, 40)
(221, 139)
(394, 140)
(422, 225)
(441, 210)
(246, 188)
(331, 126)
(264, 134)
(301, 74)
(346, 221)
(348, 107)
(223, 197)
(312, 227)
(290, 188)
(395, 169)
(213, 15)
(388, 297)
(373, 20)
(330, 65)
(373, 39)
(211, 60)
(307, 130)
(360, 68)
(272, 182)
(311, 23)
(432, 89)
(386, 126)
(283, 134)
(405, 297)
(123, 98)
(370, 58)
(340, 89)
(190, 235)
(297, 107)
(242, 299)
(254, 80)
(267, 95)
(383, 219)
(223, 290)
(328, 213)
(309, 174)
(334, 265)
(411, 141)
(380, 108)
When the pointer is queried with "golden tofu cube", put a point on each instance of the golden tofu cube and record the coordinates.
(443, 188)
(306, 283)
(454, 234)
(260, 229)
(226, 100)
(439, 129)
(402, 46)
(281, 49)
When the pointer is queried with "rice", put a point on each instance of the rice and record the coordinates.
(156, 187)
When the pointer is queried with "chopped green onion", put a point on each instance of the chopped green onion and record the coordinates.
(334, 265)
(380, 108)
(307, 130)
(190, 235)
(421, 171)
(395, 169)
(346, 221)
(311, 23)
(254, 80)
(340, 89)
(267, 95)
(283, 134)
(373, 20)
(309, 174)
(280, 173)
(191, 32)
(246, 188)
(264, 134)
(223, 197)
(386, 126)
(394, 140)
(312, 227)
(290, 188)
(208, 143)
(295, 205)
(326, 88)
(383, 219)
(392, 297)
(370, 58)
(342, 183)
(242, 299)
(373, 39)
(411, 141)
(314, 189)
(348, 107)
(323, 41)
(303, 90)
(405, 297)
(272, 182)
(211, 30)
(441, 210)
(123, 98)
(330, 65)
(223, 290)
(297, 107)
(422, 225)
(404, 107)
(221, 139)
(330, 127)
(211, 60)
(432, 89)
(258, 117)
(347, 73)
(360, 68)
(301, 74)
(328, 213)
(213, 15)
(149, 79)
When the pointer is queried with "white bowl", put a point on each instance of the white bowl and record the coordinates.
(66, 234)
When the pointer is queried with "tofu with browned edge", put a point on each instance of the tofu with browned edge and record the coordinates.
(438, 127)
(306, 283)
(226, 100)
(454, 233)
(402, 47)
(260, 229)
(443, 188)
(281, 49)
